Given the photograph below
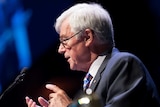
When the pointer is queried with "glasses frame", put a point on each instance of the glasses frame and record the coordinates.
(64, 41)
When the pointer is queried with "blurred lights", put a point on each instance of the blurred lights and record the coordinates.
(84, 100)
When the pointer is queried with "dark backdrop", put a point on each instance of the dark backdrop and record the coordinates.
(137, 29)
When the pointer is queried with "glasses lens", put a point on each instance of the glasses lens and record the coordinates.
(64, 41)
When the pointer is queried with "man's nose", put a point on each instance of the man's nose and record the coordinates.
(61, 49)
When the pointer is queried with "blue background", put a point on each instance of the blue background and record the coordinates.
(28, 39)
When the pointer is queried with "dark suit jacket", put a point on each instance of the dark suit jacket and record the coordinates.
(123, 81)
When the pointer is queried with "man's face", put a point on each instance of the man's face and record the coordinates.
(75, 50)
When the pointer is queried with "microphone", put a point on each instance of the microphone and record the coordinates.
(20, 77)
(17, 80)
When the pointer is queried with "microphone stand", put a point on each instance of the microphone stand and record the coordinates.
(18, 80)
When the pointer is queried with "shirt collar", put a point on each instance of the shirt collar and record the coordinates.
(95, 65)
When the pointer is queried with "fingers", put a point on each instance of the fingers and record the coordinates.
(43, 102)
(30, 102)
(58, 98)
(27, 99)
(53, 88)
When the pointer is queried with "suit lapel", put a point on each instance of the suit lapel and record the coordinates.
(101, 69)
(98, 75)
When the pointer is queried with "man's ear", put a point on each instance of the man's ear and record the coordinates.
(88, 37)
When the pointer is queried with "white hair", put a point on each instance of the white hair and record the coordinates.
(88, 15)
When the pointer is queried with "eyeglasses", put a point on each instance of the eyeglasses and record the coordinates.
(64, 41)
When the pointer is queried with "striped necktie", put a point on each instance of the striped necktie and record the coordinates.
(87, 80)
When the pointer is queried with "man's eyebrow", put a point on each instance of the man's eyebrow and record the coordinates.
(62, 36)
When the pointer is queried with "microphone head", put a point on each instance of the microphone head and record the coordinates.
(24, 69)
(20, 77)
(17, 81)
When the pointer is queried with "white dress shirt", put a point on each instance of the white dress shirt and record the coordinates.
(95, 66)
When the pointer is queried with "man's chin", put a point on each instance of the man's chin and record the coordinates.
(72, 67)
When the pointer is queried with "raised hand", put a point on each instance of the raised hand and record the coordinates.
(30, 103)
(58, 98)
